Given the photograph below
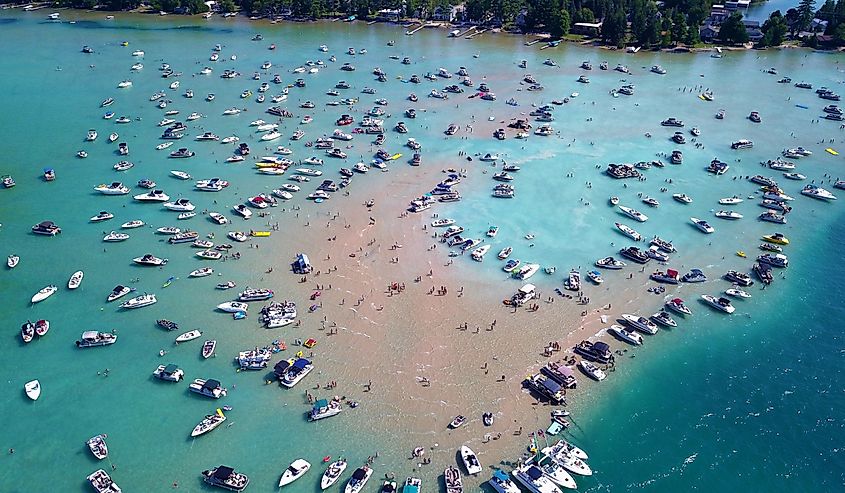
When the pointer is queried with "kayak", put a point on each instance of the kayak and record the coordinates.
(832, 151)
(260, 233)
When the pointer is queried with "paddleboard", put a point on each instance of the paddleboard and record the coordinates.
(832, 151)
(802, 106)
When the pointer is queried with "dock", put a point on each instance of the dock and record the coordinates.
(461, 35)
(411, 32)
(533, 42)
(476, 33)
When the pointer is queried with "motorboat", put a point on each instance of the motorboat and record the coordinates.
(97, 446)
(558, 474)
(119, 291)
(721, 304)
(201, 272)
(12, 261)
(226, 477)
(533, 478)
(294, 471)
(702, 225)
(817, 192)
(412, 485)
(169, 373)
(208, 388)
(730, 200)
(728, 215)
(75, 280)
(626, 335)
(32, 389)
(592, 370)
(102, 216)
(296, 372)
(208, 423)
(180, 205)
(633, 253)
(776, 238)
(359, 478)
(92, 338)
(774, 260)
(610, 263)
(233, 306)
(470, 460)
(453, 480)
(633, 214)
(153, 196)
(737, 293)
(43, 294)
(642, 324)
(332, 473)
(208, 348)
(242, 210)
(149, 259)
(502, 483)
(678, 305)
(629, 232)
(573, 282)
(115, 188)
(478, 253)
(139, 301)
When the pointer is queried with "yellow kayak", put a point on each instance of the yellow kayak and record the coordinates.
(395, 157)
(832, 151)
(259, 233)
(740, 254)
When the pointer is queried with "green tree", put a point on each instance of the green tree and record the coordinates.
(558, 24)
(733, 30)
(806, 12)
(774, 30)
(679, 28)
(584, 15)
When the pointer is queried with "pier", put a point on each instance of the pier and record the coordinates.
(471, 29)
(476, 33)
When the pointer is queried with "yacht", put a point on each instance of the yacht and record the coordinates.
(817, 192)
(534, 480)
(332, 474)
(629, 232)
(775, 260)
(294, 471)
(325, 409)
(226, 478)
(737, 293)
(209, 423)
(730, 200)
(169, 373)
(592, 370)
(742, 144)
(722, 304)
(208, 388)
(635, 254)
(626, 335)
(296, 372)
(694, 275)
(139, 301)
(359, 478)
(728, 215)
(92, 338)
(642, 324)
(470, 461)
(702, 225)
(153, 196)
(180, 205)
(149, 259)
(633, 214)
(242, 210)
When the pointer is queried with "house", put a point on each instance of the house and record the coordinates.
(389, 15)
(448, 13)
(708, 33)
(586, 28)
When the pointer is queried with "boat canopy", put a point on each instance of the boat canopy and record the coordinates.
(671, 273)
(223, 473)
(281, 367)
(211, 384)
(359, 474)
(302, 265)
(601, 347)
(551, 385)
(90, 334)
(301, 363)
(321, 404)
(500, 475)
(171, 368)
(534, 473)
(527, 289)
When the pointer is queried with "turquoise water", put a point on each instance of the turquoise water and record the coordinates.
(754, 396)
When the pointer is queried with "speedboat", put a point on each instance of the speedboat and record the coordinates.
(452, 478)
(119, 291)
(201, 272)
(136, 223)
(149, 259)
(92, 338)
(12, 261)
(633, 214)
(169, 373)
(359, 478)
(534, 480)
(294, 471)
(180, 205)
(470, 460)
(75, 280)
(242, 210)
(817, 192)
(97, 446)
(626, 335)
(44, 293)
(629, 232)
(610, 263)
(153, 196)
(102, 216)
(332, 473)
(233, 306)
(502, 483)
(139, 301)
(642, 324)
(678, 306)
(737, 293)
(591, 370)
(33, 389)
(558, 474)
(728, 215)
(226, 478)
(702, 225)
(208, 423)
(730, 200)
(722, 304)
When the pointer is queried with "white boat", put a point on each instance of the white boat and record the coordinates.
(559, 475)
(233, 306)
(102, 216)
(12, 261)
(189, 336)
(591, 370)
(152, 196)
(626, 335)
(97, 446)
(817, 192)
(502, 483)
(332, 474)
(44, 293)
(633, 214)
(721, 304)
(470, 460)
(180, 205)
(137, 223)
(186, 215)
(201, 272)
(730, 200)
(119, 291)
(309, 172)
(640, 323)
(733, 215)
(209, 423)
(169, 373)
(209, 388)
(478, 253)
(139, 301)
(534, 480)
(75, 280)
(702, 225)
(359, 478)
(737, 293)
(629, 232)
(294, 471)
(114, 188)
(149, 259)
(180, 174)
(33, 389)
(243, 211)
